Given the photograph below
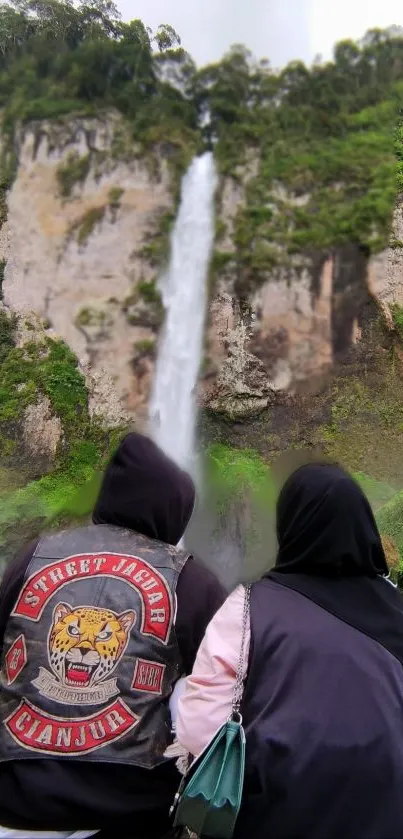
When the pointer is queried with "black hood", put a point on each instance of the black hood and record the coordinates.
(325, 525)
(330, 551)
(143, 490)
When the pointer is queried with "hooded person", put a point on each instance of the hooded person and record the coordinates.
(323, 698)
(97, 624)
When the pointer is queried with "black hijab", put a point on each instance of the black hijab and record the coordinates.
(330, 550)
(325, 526)
(143, 490)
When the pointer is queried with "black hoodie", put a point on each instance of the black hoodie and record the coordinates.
(145, 491)
(142, 490)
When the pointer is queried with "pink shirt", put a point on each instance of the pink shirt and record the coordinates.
(206, 701)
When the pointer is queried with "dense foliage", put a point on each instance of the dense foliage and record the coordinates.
(59, 58)
(321, 142)
(44, 368)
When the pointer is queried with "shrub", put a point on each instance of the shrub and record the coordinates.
(73, 172)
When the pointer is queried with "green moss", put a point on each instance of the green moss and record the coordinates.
(148, 291)
(59, 378)
(90, 317)
(8, 169)
(230, 472)
(221, 227)
(143, 306)
(390, 521)
(315, 192)
(377, 492)
(8, 325)
(145, 347)
(86, 225)
(26, 374)
(49, 369)
(114, 197)
(397, 317)
(74, 171)
(156, 249)
(219, 263)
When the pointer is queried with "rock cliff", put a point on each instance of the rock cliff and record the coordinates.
(82, 212)
(86, 238)
(84, 244)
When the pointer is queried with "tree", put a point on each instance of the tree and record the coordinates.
(166, 38)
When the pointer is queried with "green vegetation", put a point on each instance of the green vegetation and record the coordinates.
(87, 224)
(365, 431)
(316, 145)
(48, 368)
(73, 171)
(377, 492)
(144, 347)
(148, 291)
(319, 145)
(390, 523)
(143, 307)
(156, 250)
(115, 196)
(91, 317)
(397, 315)
(59, 59)
(8, 168)
(232, 473)
(27, 374)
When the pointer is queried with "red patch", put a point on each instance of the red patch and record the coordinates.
(152, 587)
(148, 676)
(40, 732)
(15, 659)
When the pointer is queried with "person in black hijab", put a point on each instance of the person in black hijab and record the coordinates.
(143, 508)
(326, 527)
(323, 700)
(330, 550)
(322, 706)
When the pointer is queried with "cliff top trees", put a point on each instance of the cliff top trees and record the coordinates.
(324, 132)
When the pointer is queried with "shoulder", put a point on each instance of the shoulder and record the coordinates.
(195, 577)
(199, 596)
(194, 571)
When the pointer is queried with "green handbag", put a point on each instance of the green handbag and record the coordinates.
(209, 797)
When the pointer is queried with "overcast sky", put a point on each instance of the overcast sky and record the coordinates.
(280, 30)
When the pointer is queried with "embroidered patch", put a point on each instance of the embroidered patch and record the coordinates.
(40, 732)
(157, 612)
(15, 659)
(148, 676)
(85, 645)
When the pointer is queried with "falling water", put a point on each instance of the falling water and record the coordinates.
(184, 294)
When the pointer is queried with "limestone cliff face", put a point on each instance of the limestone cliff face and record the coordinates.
(75, 258)
(386, 274)
(286, 333)
(83, 214)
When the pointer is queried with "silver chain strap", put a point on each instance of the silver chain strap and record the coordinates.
(238, 687)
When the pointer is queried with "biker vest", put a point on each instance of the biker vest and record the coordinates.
(90, 654)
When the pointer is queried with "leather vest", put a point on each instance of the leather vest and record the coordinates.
(90, 654)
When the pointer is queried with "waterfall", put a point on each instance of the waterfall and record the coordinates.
(184, 295)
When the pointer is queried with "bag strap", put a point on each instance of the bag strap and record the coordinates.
(238, 687)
